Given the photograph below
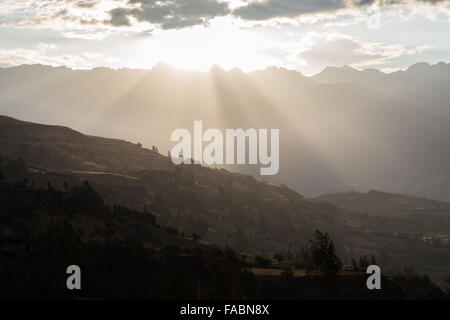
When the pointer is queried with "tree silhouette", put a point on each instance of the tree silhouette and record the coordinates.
(262, 262)
(279, 258)
(323, 254)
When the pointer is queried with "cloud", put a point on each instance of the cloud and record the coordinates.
(334, 49)
(286, 8)
(54, 14)
(136, 15)
(120, 17)
(268, 9)
(337, 49)
(17, 57)
(45, 54)
(433, 1)
(173, 14)
(86, 34)
(92, 55)
(86, 4)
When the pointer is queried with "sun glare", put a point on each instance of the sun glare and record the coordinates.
(222, 43)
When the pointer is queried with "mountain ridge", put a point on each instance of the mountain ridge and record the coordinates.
(163, 65)
(392, 131)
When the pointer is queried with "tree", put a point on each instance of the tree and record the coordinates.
(448, 288)
(85, 199)
(279, 258)
(172, 231)
(1, 169)
(364, 262)
(323, 254)
(287, 274)
(262, 262)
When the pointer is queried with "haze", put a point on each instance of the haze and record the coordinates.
(358, 89)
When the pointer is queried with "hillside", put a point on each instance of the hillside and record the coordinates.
(50, 229)
(124, 254)
(221, 207)
(224, 207)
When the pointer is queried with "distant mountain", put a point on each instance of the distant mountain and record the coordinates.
(422, 84)
(223, 208)
(367, 76)
(348, 74)
(377, 203)
(360, 130)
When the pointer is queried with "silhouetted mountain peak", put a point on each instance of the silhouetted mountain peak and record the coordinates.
(163, 67)
(420, 66)
(281, 75)
(426, 67)
(215, 68)
(344, 68)
(347, 68)
(347, 74)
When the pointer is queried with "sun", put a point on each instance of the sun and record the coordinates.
(198, 48)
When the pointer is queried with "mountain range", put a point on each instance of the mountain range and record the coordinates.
(342, 129)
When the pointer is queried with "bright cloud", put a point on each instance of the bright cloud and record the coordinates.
(44, 54)
(304, 35)
(334, 49)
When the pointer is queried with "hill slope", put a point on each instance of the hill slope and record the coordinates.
(222, 207)
(225, 207)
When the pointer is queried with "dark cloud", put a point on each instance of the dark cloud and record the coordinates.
(434, 1)
(176, 14)
(365, 2)
(286, 8)
(119, 17)
(294, 8)
(86, 4)
(390, 2)
(173, 14)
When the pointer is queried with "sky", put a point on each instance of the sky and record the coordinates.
(303, 35)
